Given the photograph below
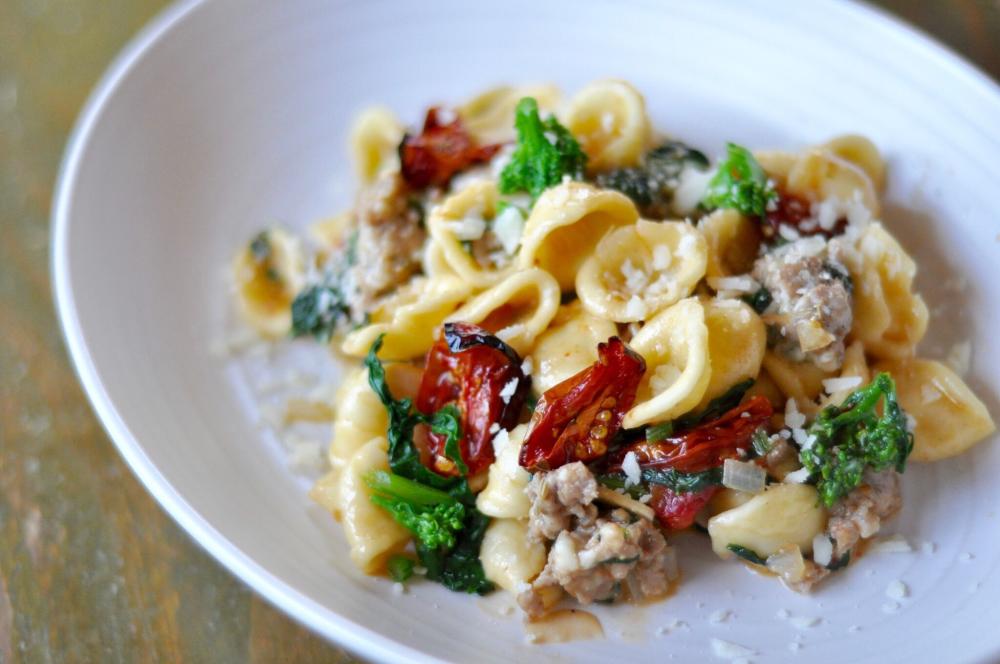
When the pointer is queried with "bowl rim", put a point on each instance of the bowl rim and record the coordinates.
(327, 623)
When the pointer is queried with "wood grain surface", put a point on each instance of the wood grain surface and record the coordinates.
(91, 569)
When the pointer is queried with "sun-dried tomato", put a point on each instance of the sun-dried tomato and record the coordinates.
(576, 419)
(442, 149)
(482, 376)
(795, 212)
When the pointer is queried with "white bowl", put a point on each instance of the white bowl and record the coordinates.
(223, 117)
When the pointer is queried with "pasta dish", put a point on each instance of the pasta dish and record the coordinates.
(571, 336)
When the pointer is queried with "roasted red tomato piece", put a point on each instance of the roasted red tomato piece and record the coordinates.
(575, 420)
(678, 510)
(705, 446)
(482, 377)
(440, 151)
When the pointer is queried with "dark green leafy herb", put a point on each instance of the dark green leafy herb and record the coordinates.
(851, 437)
(739, 183)
(675, 480)
(447, 422)
(633, 182)
(760, 299)
(545, 152)
(716, 408)
(746, 554)
(657, 432)
(400, 568)
(317, 310)
(619, 561)
(652, 184)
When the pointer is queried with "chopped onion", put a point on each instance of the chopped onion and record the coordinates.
(787, 563)
(822, 550)
(743, 476)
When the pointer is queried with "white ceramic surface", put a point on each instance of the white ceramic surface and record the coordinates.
(227, 115)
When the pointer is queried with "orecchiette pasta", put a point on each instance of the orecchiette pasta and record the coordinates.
(674, 344)
(517, 309)
(510, 558)
(639, 270)
(268, 273)
(460, 225)
(504, 495)
(733, 242)
(490, 116)
(609, 119)
(949, 418)
(862, 152)
(819, 175)
(802, 381)
(372, 534)
(408, 319)
(568, 346)
(855, 367)
(736, 343)
(566, 224)
(889, 318)
(375, 139)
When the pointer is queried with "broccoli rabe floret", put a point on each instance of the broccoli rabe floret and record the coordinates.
(431, 515)
(739, 183)
(845, 440)
(545, 152)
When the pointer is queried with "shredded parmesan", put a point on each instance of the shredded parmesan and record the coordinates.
(630, 465)
(727, 650)
(800, 476)
(526, 366)
(793, 418)
(509, 389)
(833, 385)
(661, 257)
(508, 226)
(897, 590)
(822, 550)
(635, 307)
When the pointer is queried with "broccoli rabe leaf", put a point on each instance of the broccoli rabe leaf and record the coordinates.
(432, 516)
(673, 479)
(716, 408)
(545, 152)
(746, 554)
(317, 310)
(447, 423)
(739, 183)
(847, 439)
(452, 562)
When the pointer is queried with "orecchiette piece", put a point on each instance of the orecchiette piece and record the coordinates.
(609, 119)
(862, 152)
(889, 318)
(949, 417)
(737, 340)
(375, 139)
(268, 274)
(328, 233)
(733, 241)
(639, 270)
(408, 319)
(372, 534)
(802, 381)
(505, 495)
(566, 224)
(819, 175)
(568, 346)
(510, 558)
(855, 366)
(517, 309)
(675, 346)
(489, 116)
(460, 228)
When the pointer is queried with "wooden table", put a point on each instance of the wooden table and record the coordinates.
(91, 569)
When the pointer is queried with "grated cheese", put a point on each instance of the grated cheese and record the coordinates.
(897, 590)
(832, 385)
(635, 307)
(822, 550)
(661, 257)
(800, 476)
(793, 418)
(635, 279)
(741, 284)
(508, 390)
(508, 226)
(633, 474)
(728, 650)
(526, 366)
(892, 544)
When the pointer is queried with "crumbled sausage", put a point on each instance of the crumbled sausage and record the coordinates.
(860, 513)
(811, 292)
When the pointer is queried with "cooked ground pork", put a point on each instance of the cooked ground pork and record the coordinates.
(390, 238)
(593, 558)
(812, 301)
(859, 514)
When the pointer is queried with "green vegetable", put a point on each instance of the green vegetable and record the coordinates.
(717, 407)
(457, 565)
(447, 423)
(433, 516)
(739, 183)
(657, 432)
(619, 561)
(633, 182)
(761, 442)
(651, 185)
(675, 480)
(853, 436)
(760, 300)
(260, 247)
(400, 568)
(746, 554)
(545, 152)
(317, 310)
